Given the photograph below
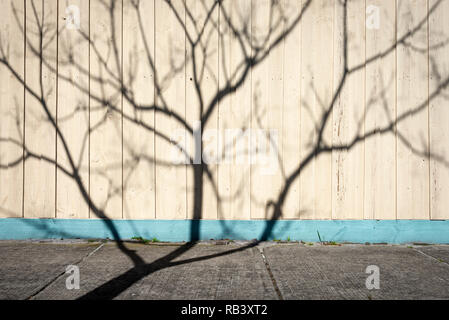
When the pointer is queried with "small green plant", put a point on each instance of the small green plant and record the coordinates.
(319, 237)
(332, 243)
(288, 239)
(146, 241)
(141, 240)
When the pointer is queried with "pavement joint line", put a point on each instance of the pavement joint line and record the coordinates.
(31, 297)
(431, 257)
(273, 280)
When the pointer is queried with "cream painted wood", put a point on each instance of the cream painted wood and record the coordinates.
(138, 139)
(73, 107)
(316, 96)
(387, 175)
(40, 134)
(11, 109)
(291, 109)
(267, 106)
(106, 106)
(380, 110)
(234, 114)
(412, 131)
(171, 178)
(348, 112)
(439, 112)
(202, 68)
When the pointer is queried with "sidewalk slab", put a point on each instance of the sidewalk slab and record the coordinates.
(240, 275)
(339, 272)
(27, 267)
(231, 271)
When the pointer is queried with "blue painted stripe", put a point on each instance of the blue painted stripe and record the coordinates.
(357, 231)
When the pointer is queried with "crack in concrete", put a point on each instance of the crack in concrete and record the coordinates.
(273, 280)
(32, 296)
(431, 257)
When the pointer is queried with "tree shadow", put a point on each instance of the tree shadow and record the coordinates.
(124, 116)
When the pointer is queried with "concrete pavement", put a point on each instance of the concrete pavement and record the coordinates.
(222, 270)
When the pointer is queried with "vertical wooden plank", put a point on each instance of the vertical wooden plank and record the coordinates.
(316, 89)
(11, 109)
(234, 113)
(40, 134)
(138, 141)
(412, 132)
(348, 112)
(105, 123)
(380, 148)
(439, 113)
(291, 110)
(205, 65)
(267, 105)
(73, 106)
(170, 65)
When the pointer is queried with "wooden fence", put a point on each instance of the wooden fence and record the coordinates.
(351, 96)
